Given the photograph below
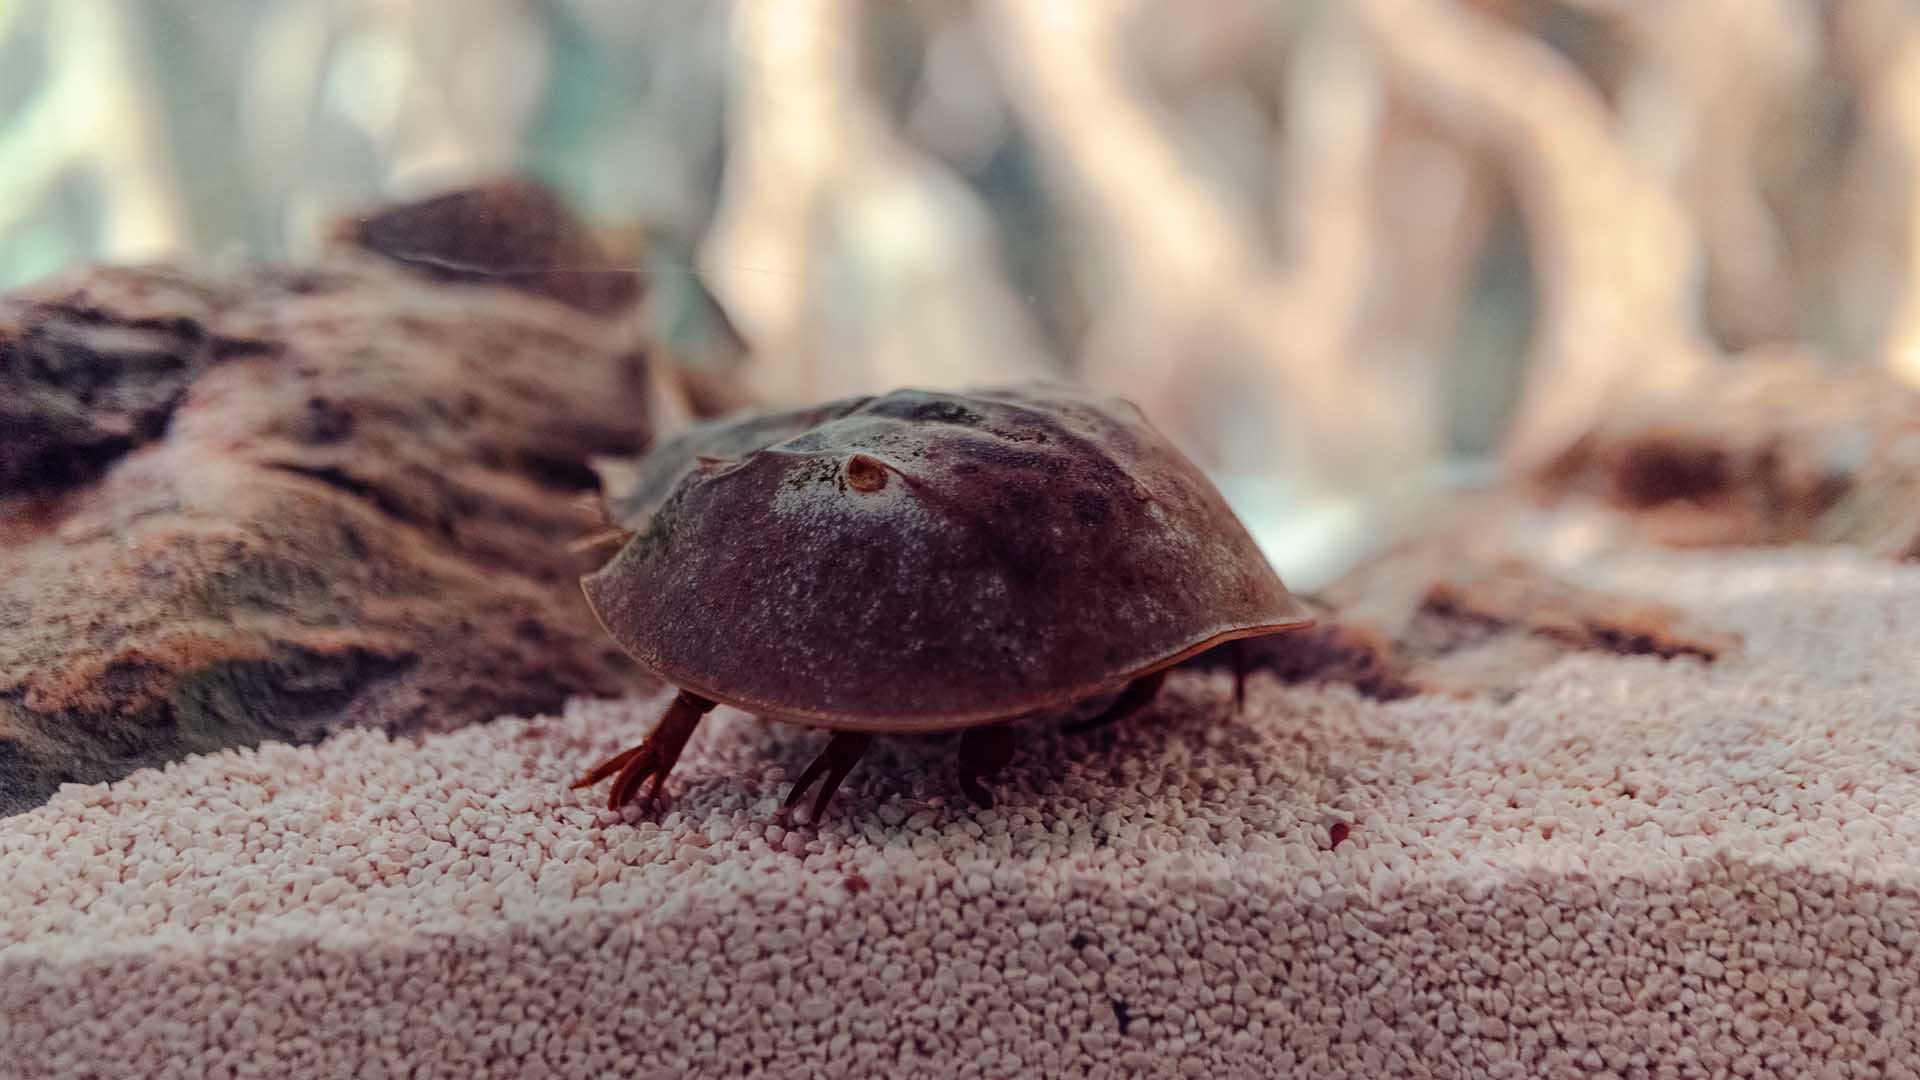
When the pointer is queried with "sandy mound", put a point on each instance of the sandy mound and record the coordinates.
(1631, 867)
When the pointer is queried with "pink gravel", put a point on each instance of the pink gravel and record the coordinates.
(1630, 868)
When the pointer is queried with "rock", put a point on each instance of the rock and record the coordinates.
(1448, 613)
(271, 503)
(1777, 448)
(504, 232)
(513, 232)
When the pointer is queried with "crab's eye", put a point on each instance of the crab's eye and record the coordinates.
(865, 473)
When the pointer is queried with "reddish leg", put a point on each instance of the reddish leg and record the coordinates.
(655, 756)
(984, 751)
(1239, 647)
(1138, 695)
(836, 761)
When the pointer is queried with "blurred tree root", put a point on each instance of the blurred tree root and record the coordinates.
(1246, 357)
(1616, 259)
(850, 258)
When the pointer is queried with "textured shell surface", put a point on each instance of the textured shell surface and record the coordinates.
(922, 561)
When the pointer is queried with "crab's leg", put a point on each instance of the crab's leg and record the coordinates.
(984, 751)
(1138, 695)
(836, 761)
(655, 756)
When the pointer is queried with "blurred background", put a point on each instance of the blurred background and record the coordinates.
(1340, 250)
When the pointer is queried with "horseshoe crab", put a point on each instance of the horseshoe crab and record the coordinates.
(921, 562)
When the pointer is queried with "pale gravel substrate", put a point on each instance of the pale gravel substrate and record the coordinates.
(1631, 868)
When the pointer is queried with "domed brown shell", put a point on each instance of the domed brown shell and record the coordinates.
(926, 561)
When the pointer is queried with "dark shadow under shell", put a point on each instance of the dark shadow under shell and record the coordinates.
(924, 561)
